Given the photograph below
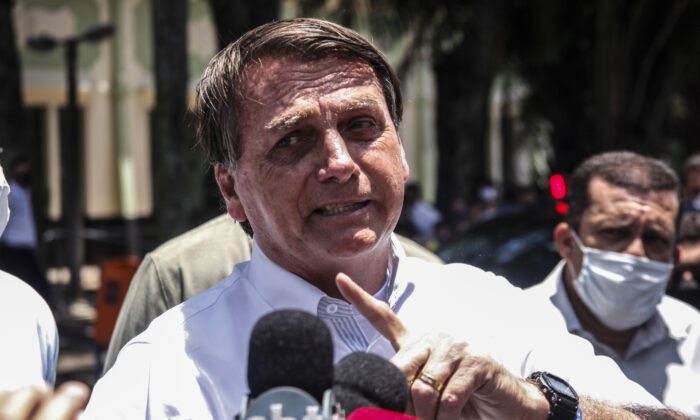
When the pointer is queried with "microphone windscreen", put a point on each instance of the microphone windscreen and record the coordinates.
(290, 348)
(367, 380)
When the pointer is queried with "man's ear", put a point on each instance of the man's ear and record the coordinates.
(564, 240)
(227, 186)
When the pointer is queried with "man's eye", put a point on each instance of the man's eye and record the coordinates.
(361, 124)
(656, 240)
(287, 141)
(613, 233)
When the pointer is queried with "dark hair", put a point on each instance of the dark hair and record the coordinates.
(692, 163)
(220, 96)
(628, 170)
(689, 227)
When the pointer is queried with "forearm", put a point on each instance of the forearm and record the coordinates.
(650, 413)
(594, 410)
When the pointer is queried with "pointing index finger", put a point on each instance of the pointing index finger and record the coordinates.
(377, 312)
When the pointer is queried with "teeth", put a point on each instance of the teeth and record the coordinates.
(339, 208)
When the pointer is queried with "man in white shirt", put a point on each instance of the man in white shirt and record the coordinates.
(29, 349)
(299, 118)
(617, 246)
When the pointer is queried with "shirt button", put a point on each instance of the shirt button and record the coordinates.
(332, 308)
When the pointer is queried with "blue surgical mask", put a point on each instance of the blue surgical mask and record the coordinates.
(621, 290)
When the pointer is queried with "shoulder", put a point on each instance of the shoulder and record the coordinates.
(200, 313)
(457, 285)
(197, 259)
(28, 329)
(221, 231)
(413, 249)
(679, 316)
(457, 273)
(18, 298)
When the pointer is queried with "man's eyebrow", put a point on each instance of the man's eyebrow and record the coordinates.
(288, 121)
(361, 103)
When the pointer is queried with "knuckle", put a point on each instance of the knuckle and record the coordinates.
(450, 401)
(420, 392)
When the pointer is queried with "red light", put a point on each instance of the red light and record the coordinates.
(561, 207)
(557, 186)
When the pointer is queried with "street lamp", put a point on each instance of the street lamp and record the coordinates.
(71, 149)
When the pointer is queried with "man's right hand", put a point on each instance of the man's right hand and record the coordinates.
(448, 380)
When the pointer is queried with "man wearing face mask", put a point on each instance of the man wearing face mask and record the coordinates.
(618, 249)
(18, 246)
(29, 349)
(691, 183)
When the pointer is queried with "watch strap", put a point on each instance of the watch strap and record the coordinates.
(561, 406)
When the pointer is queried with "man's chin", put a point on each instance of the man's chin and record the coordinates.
(359, 243)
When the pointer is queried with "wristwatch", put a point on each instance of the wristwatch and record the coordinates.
(563, 400)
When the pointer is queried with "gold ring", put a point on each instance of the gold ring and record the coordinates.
(434, 383)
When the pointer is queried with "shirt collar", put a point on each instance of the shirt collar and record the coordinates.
(299, 294)
(280, 288)
(557, 294)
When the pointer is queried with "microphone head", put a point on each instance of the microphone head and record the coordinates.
(290, 348)
(367, 380)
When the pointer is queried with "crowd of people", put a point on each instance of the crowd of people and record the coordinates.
(299, 119)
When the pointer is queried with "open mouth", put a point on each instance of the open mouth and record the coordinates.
(333, 209)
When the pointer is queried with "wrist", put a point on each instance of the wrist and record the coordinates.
(562, 399)
(536, 404)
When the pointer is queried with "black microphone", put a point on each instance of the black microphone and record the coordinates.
(367, 380)
(290, 361)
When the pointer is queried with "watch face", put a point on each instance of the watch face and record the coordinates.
(561, 387)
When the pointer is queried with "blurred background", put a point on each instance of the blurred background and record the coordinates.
(500, 96)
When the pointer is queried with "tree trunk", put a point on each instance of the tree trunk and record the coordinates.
(464, 76)
(171, 145)
(11, 116)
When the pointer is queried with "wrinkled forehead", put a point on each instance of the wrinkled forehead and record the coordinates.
(610, 200)
(277, 77)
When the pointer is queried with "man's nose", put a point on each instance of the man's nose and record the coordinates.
(636, 248)
(337, 163)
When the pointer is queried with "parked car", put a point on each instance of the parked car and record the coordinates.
(517, 244)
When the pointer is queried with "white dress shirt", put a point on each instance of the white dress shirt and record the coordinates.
(664, 355)
(191, 361)
(29, 349)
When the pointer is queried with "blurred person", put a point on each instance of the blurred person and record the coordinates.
(18, 245)
(187, 265)
(423, 216)
(315, 173)
(685, 282)
(489, 203)
(617, 246)
(29, 349)
(691, 183)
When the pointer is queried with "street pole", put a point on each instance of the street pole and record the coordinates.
(72, 150)
(72, 175)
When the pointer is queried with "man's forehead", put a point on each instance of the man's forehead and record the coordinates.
(606, 198)
(283, 77)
